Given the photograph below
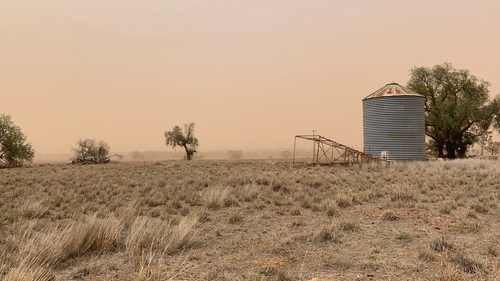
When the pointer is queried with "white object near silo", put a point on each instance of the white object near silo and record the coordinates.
(394, 123)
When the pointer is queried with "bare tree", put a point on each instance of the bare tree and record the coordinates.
(493, 147)
(483, 139)
(89, 151)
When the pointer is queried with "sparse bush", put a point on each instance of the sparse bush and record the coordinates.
(403, 236)
(349, 226)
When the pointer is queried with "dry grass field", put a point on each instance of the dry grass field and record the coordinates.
(251, 220)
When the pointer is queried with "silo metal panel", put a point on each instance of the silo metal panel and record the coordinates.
(395, 124)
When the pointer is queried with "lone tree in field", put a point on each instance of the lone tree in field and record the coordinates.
(13, 151)
(89, 151)
(186, 140)
(457, 108)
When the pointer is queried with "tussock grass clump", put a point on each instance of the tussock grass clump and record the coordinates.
(27, 272)
(441, 245)
(479, 208)
(34, 210)
(235, 217)
(468, 227)
(344, 200)
(403, 193)
(466, 263)
(492, 250)
(147, 234)
(247, 193)
(214, 197)
(96, 235)
(426, 254)
(328, 234)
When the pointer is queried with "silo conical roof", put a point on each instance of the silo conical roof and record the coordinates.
(392, 90)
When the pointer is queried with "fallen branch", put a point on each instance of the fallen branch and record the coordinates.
(86, 161)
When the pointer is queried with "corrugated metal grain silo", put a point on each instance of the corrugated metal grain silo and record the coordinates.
(394, 123)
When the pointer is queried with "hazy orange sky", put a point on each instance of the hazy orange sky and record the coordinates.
(250, 74)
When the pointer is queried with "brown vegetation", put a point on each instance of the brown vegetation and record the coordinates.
(250, 220)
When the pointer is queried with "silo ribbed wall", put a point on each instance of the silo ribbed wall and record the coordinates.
(395, 124)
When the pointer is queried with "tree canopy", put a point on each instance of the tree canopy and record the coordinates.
(458, 108)
(14, 152)
(184, 139)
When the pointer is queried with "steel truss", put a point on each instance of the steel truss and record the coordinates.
(328, 152)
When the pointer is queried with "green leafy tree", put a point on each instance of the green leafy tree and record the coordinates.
(14, 152)
(458, 109)
(184, 139)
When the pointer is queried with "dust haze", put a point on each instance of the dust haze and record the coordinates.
(251, 75)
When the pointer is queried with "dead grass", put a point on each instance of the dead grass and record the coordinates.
(250, 220)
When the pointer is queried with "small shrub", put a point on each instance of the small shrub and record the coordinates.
(349, 226)
(282, 274)
(403, 236)
(390, 216)
(298, 222)
(493, 251)
(471, 215)
(479, 208)
(470, 227)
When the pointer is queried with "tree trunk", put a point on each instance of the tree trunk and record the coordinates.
(188, 155)
(450, 151)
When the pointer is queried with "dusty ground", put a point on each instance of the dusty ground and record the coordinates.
(250, 220)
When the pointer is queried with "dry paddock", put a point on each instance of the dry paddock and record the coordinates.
(251, 220)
